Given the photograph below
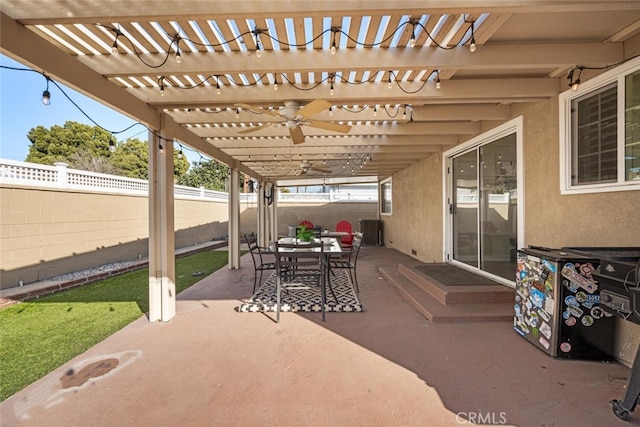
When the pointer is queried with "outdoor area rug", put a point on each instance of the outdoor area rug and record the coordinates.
(295, 300)
(450, 275)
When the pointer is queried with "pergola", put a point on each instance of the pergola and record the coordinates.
(387, 83)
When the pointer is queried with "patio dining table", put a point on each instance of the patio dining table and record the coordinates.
(331, 246)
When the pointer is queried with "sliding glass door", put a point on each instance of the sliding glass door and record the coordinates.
(484, 206)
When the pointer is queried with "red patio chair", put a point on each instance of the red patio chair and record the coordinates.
(306, 223)
(345, 226)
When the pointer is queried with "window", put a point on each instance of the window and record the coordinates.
(600, 133)
(385, 197)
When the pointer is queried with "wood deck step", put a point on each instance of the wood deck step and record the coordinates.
(463, 294)
(432, 308)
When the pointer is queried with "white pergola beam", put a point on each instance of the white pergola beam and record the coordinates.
(531, 56)
(405, 129)
(426, 113)
(333, 142)
(456, 91)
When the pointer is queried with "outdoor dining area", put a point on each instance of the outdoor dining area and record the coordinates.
(313, 270)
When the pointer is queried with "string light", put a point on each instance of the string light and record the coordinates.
(256, 32)
(335, 30)
(237, 113)
(389, 81)
(472, 45)
(375, 111)
(161, 84)
(438, 84)
(218, 90)
(334, 48)
(46, 95)
(112, 146)
(275, 82)
(412, 42)
(575, 84)
(160, 148)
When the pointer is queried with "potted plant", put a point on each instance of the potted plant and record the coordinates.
(305, 234)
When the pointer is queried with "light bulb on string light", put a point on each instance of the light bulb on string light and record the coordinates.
(114, 48)
(46, 98)
(334, 48)
(112, 146)
(472, 45)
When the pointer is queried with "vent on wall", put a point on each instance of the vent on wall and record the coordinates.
(371, 230)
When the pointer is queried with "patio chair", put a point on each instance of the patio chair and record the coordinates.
(306, 223)
(350, 263)
(259, 264)
(299, 268)
(345, 226)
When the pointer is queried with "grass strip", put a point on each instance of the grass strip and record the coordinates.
(40, 335)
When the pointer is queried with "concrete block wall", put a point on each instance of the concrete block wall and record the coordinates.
(44, 232)
(48, 232)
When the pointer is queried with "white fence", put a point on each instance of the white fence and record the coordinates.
(60, 177)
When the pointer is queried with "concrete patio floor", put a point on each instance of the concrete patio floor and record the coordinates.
(388, 366)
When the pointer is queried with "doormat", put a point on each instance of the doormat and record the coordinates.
(309, 300)
(450, 275)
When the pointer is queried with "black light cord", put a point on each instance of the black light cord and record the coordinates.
(257, 32)
(49, 79)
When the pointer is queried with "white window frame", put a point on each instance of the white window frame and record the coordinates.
(384, 182)
(614, 75)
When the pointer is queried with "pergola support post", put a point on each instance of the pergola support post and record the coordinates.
(162, 270)
(234, 219)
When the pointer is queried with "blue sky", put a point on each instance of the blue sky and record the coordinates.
(21, 109)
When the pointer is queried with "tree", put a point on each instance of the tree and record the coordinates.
(208, 174)
(87, 148)
(131, 158)
(62, 143)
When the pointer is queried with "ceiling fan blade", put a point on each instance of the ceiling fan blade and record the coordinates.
(259, 110)
(257, 128)
(323, 170)
(336, 127)
(296, 135)
(314, 107)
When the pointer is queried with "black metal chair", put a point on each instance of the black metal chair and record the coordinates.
(259, 264)
(350, 262)
(300, 266)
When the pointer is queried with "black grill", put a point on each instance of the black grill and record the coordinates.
(618, 277)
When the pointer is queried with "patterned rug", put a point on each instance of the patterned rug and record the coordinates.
(294, 300)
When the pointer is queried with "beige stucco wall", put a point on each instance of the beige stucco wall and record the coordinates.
(416, 220)
(325, 215)
(551, 219)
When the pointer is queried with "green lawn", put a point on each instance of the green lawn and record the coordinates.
(40, 335)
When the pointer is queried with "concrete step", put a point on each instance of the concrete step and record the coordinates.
(452, 294)
(432, 309)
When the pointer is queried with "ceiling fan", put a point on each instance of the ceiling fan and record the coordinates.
(307, 166)
(294, 117)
